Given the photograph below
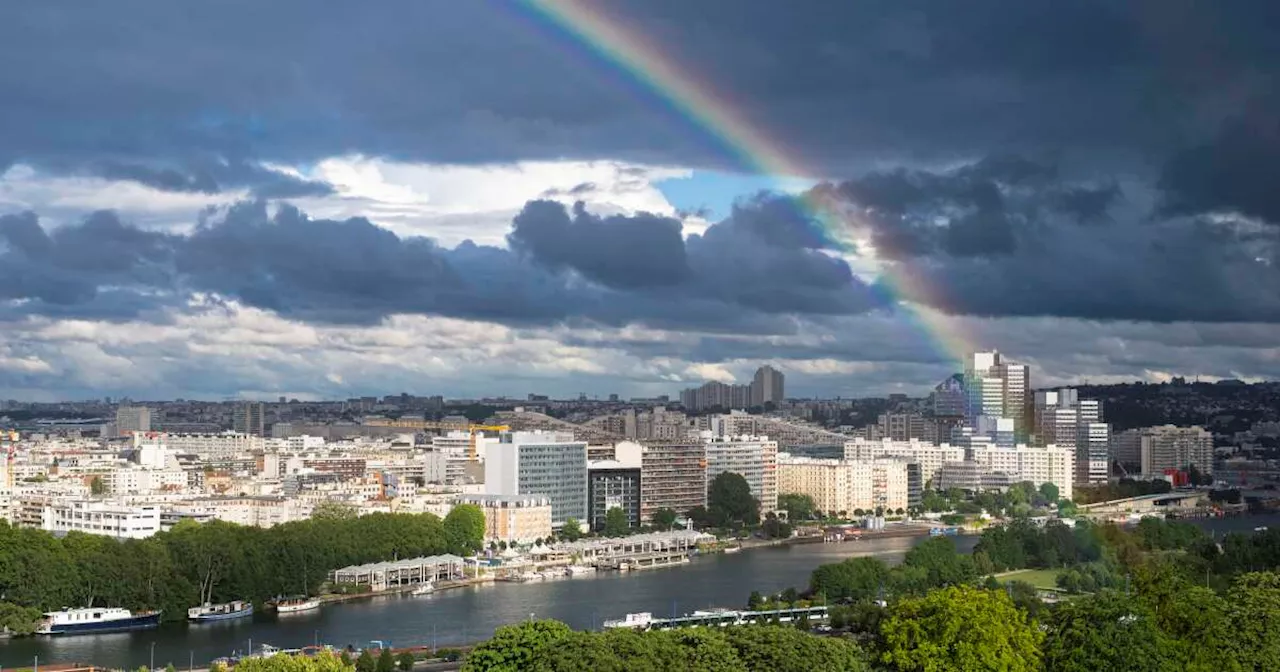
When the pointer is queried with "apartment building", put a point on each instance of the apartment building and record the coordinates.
(673, 475)
(108, 519)
(754, 457)
(516, 519)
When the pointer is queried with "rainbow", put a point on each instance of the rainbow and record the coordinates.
(715, 114)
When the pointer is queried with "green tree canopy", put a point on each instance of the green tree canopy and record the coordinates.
(97, 486)
(518, 648)
(331, 509)
(464, 528)
(960, 628)
(1108, 631)
(852, 579)
(730, 502)
(386, 661)
(1253, 607)
(366, 662)
(404, 661)
(797, 506)
(1049, 491)
(944, 566)
(324, 661)
(780, 649)
(616, 523)
(664, 518)
(571, 530)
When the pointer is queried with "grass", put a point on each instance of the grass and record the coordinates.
(1044, 579)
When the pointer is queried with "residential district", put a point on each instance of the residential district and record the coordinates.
(129, 470)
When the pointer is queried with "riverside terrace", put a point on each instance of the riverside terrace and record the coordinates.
(400, 573)
(635, 547)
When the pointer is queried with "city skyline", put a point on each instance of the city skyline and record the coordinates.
(565, 200)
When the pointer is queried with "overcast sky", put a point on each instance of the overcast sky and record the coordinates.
(320, 200)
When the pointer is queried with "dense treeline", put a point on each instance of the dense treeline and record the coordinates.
(550, 646)
(214, 561)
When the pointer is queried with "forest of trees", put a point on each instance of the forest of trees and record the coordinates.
(214, 561)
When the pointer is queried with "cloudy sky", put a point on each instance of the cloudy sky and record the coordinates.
(249, 199)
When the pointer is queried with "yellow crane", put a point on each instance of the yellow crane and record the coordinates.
(412, 423)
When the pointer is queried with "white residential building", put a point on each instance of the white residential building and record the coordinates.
(828, 482)
(221, 444)
(929, 456)
(550, 464)
(754, 457)
(889, 485)
(1030, 463)
(103, 518)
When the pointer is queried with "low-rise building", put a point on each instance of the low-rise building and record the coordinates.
(513, 519)
(108, 519)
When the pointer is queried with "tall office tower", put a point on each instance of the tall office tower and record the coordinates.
(130, 419)
(248, 418)
(549, 464)
(949, 398)
(1065, 420)
(998, 388)
(767, 386)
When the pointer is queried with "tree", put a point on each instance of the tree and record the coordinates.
(1108, 631)
(386, 661)
(616, 523)
(366, 662)
(789, 650)
(346, 659)
(775, 528)
(1067, 508)
(852, 579)
(1253, 607)
(1049, 491)
(664, 518)
(464, 528)
(798, 507)
(939, 559)
(323, 661)
(97, 486)
(519, 647)
(571, 530)
(404, 661)
(331, 509)
(729, 500)
(754, 600)
(960, 628)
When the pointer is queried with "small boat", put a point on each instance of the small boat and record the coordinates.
(293, 605)
(732, 549)
(578, 570)
(220, 612)
(424, 588)
(95, 620)
(1262, 528)
(530, 576)
(550, 574)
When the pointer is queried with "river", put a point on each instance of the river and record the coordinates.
(466, 615)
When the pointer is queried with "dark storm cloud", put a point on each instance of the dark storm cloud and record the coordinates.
(150, 83)
(990, 240)
(1233, 171)
(211, 177)
(562, 268)
(618, 251)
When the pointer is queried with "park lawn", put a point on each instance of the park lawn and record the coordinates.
(1044, 579)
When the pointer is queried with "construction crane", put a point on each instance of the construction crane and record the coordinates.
(473, 429)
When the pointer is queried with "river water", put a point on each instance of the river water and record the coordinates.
(471, 614)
